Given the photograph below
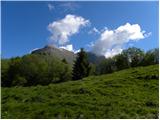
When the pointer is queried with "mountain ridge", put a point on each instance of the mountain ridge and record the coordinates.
(57, 52)
(62, 53)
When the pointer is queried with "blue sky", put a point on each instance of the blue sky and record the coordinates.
(25, 25)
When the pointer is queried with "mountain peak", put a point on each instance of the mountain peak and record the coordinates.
(61, 53)
(51, 50)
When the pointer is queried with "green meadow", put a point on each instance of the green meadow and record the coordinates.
(130, 93)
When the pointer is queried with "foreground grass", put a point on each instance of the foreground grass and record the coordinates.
(131, 93)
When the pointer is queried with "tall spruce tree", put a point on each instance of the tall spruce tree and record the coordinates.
(81, 66)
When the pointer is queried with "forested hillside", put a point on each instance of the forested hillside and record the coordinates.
(51, 65)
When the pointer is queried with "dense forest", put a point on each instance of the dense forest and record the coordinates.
(39, 69)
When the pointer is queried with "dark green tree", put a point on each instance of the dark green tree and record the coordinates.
(92, 69)
(64, 61)
(13, 70)
(31, 70)
(121, 61)
(106, 66)
(81, 66)
(134, 56)
(151, 57)
(5, 81)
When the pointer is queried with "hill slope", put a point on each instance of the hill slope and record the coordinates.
(57, 52)
(68, 55)
(131, 93)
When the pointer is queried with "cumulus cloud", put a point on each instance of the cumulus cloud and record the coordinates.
(90, 45)
(62, 29)
(68, 47)
(51, 7)
(113, 52)
(76, 51)
(111, 42)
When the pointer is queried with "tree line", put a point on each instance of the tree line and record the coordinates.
(35, 69)
(131, 57)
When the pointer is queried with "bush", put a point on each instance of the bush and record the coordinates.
(19, 81)
(4, 72)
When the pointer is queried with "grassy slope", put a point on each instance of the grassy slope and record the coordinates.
(131, 93)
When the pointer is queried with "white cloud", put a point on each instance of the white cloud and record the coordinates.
(76, 51)
(69, 6)
(90, 45)
(51, 7)
(113, 52)
(68, 47)
(62, 29)
(111, 41)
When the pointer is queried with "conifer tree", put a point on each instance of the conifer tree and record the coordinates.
(64, 61)
(81, 66)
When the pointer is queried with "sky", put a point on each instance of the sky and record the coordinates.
(104, 28)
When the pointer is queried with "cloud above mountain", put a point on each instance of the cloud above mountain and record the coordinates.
(62, 29)
(111, 42)
(68, 47)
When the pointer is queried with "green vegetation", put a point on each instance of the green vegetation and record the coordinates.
(43, 68)
(131, 57)
(34, 69)
(130, 93)
(81, 67)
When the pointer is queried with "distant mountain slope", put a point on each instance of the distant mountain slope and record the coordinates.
(131, 93)
(68, 55)
(57, 52)
(93, 58)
